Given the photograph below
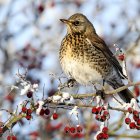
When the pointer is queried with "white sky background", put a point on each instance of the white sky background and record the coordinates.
(111, 14)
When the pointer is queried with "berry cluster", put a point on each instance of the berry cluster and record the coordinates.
(46, 111)
(28, 112)
(103, 134)
(102, 114)
(72, 129)
(133, 119)
(11, 137)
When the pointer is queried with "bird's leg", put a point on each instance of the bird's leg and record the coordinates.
(71, 82)
(101, 92)
(103, 82)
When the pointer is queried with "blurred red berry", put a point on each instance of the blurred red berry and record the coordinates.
(29, 111)
(10, 98)
(25, 57)
(105, 129)
(28, 117)
(1, 130)
(66, 129)
(99, 136)
(121, 57)
(94, 110)
(47, 111)
(52, 4)
(105, 113)
(40, 8)
(132, 125)
(79, 128)
(9, 138)
(138, 122)
(72, 129)
(24, 109)
(127, 120)
(135, 113)
(55, 116)
(137, 91)
(29, 94)
(98, 117)
(14, 138)
(103, 118)
(105, 136)
(135, 118)
(41, 113)
(130, 109)
(99, 109)
(138, 127)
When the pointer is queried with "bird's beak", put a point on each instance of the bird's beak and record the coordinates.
(65, 21)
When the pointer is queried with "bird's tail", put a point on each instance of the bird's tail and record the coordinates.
(126, 95)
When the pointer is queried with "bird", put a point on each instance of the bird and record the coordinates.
(86, 58)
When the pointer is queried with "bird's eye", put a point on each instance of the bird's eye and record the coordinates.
(76, 23)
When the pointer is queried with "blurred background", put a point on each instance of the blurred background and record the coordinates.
(30, 38)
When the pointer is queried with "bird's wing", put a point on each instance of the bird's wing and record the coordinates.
(101, 45)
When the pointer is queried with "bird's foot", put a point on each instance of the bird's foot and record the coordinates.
(70, 83)
(101, 93)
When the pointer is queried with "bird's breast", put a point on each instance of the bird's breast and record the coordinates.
(74, 65)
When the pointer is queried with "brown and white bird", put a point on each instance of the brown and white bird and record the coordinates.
(85, 57)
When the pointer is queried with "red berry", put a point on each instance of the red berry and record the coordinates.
(127, 120)
(99, 109)
(41, 112)
(103, 118)
(98, 117)
(14, 138)
(28, 117)
(47, 111)
(135, 113)
(55, 116)
(67, 129)
(121, 57)
(105, 113)
(29, 94)
(105, 136)
(24, 109)
(138, 127)
(135, 118)
(105, 129)
(137, 91)
(1, 130)
(138, 122)
(94, 110)
(29, 111)
(40, 8)
(72, 129)
(9, 138)
(79, 128)
(132, 125)
(130, 109)
(100, 136)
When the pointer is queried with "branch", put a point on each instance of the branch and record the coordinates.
(124, 136)
(123, 88)
(15, 118)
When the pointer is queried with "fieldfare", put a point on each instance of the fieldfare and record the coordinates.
(86, 58)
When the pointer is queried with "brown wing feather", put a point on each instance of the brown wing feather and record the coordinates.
(101, 45)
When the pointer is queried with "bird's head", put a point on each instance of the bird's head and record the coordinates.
(78, 23)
